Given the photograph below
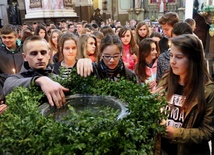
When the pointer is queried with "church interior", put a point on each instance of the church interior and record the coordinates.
(18, 12)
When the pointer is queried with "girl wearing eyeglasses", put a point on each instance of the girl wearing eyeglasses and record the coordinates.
(110, 64)
(146, 67)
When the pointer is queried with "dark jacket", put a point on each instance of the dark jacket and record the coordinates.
(163, 64)
(197, 129)
(102, 72)
(25, 78)
(10, 62)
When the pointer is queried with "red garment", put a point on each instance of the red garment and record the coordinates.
(128, 59)
(92, 57)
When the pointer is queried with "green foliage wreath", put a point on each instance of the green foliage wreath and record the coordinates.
(24, 131)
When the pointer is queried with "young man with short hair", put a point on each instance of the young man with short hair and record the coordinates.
(11, 58)
(71, 28)
(36, 56)
(80, 28)
(192, 23)
(167, 21)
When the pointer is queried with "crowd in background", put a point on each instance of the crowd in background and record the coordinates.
(166, 56)
(90, 34)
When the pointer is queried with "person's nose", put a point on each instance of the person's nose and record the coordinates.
(172, 60)
(111, 59)
(70, 50)
(155, 51)
(39, 56)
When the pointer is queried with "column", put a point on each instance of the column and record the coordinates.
(189, 9)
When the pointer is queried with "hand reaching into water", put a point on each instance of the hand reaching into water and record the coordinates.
(53, 91)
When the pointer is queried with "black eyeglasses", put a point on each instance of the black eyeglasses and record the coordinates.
(108, 57)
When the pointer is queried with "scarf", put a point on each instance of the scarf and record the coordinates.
(112, 74)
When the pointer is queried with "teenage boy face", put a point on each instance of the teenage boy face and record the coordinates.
(9, 40)
(167, 29)
(37, 54)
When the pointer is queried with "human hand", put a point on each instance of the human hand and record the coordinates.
(169, 132)
(134, 57)
(3, 107)
(152, 85)
(158, 90)
(84, 67)
(163, 122)
(53, 91)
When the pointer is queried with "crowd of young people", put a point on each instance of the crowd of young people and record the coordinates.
(135, 55)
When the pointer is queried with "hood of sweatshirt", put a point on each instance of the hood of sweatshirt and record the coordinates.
(166, 54)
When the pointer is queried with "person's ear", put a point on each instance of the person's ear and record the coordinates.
(16, 35)
(50, 54)
(24, 56)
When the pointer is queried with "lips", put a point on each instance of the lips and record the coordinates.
(111, 66)
(40, 64)
(174, 68)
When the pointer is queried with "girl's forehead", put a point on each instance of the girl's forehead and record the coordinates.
(175, 50)
(90, 38)
(127, 32)
(69, 41)
(112, 49)
(143, 26)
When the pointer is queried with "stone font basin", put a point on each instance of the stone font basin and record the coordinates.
(83, 102)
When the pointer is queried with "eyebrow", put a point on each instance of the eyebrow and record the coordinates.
(111, 54)
(39, 51)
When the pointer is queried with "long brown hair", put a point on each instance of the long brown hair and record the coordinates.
(41, 27)
(138, 38)
(197, 74)
(82, 46)
(61, 41)
(133, 46)
(52, 46)
(144, 51)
